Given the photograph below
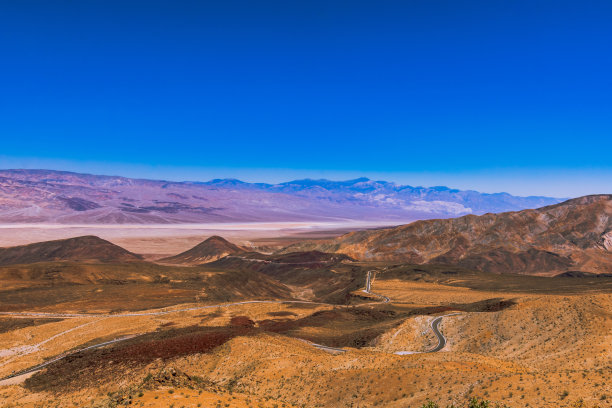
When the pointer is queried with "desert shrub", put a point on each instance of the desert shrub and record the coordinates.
(242, 321)
(472, 403)
(478, 403)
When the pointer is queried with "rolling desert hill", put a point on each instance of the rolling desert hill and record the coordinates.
(298, 329)
(511, 348)
(46, 196)
(94, 272)
(210, 250)
(128, 286)
(575, 235)
(313, 275)
(86, 248)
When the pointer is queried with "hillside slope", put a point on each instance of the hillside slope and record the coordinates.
(209, 250)
(313, 275)
(573, 235)
(86, 248)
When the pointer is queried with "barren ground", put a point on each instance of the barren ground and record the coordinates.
(517, 348)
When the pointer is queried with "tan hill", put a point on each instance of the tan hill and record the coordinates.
(86, 248)
(525, 353)
(575, 235)
(209, 250)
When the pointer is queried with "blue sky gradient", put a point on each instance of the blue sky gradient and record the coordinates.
(513, 96)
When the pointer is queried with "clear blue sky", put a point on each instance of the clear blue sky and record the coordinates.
(483, 94)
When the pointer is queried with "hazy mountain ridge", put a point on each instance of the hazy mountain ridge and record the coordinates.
(573, 235)
(31, 196)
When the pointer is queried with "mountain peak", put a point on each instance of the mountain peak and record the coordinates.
(209, 250)
(84, 248)
(358, 180)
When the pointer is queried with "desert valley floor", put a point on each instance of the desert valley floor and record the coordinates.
(519, 341)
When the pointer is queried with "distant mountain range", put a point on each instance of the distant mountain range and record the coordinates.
(47, 196)
(575, 235)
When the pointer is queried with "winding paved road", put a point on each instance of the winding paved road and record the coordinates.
(368, 288)
(441, 339)
(435, 324)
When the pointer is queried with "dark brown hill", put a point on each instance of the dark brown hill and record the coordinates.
(209, 250)
(86, 248)
(573, 235)
(309, 257)
(77, 286)
(313, 275)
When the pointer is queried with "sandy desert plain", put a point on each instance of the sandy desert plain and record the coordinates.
(248, 330)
